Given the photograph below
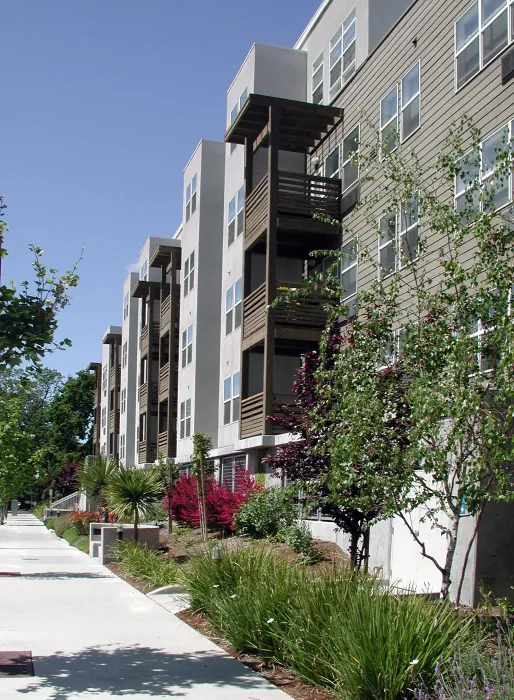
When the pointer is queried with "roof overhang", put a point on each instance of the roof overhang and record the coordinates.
(111, 338)
(163, 255)
(301, 124)
(94, 366)
(142, 288)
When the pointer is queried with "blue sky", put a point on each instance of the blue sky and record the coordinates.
(103, 102)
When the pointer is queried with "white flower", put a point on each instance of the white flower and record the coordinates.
(413, 663)
(216, 585)
(234, 596)
(272, 619)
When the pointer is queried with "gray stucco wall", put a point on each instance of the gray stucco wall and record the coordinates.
(382, 17)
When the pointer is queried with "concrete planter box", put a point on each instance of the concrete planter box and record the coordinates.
(103, 538)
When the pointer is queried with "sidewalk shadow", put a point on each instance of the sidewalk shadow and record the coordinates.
(65, 575)
(119, 671)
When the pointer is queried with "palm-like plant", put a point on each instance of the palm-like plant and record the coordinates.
(95, 476)
(133, 493)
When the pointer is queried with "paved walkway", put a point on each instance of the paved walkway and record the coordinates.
(93, 636)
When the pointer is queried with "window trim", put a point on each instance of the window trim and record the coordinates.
(191, 196)
(186, 282)
(509, 7)
(403, 107)
(396, 116)
(184, 417)
(230, 400)
(123, 401)
(124, 354)
(233, 307)
(337, 173)
(239, 207)
(396, 243)
(350, 267)
(334, 88)
(321, 83)
(186, 346)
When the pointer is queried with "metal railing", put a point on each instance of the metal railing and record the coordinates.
(68, 503)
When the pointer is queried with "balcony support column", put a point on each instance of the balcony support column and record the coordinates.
(271, 265)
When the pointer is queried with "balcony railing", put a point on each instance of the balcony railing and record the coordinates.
(145, 335)
(162, 445)
(115, 375)
(299, 196)
(147, 451)
(113, 419)
(164, 378)
(254, 311)
(252, 416)
(147, 392)
(166, 311)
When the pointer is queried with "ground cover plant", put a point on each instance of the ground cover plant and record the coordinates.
(339, 629)
(145, 564)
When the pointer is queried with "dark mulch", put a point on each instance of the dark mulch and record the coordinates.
(284, 679)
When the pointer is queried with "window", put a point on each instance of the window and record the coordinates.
(143, 272)
(185, 419)
(104, 380)
(392, 349)
(482, 32)
(189, 273)
(332, 164)
(235, 111)
(123, 402)
(389, 119)
(350, 158)
(233, 305)
(349, 275)
(104, 419)
(125, 305)
(410, 97)
(124, 354)
(317, 80)
(229, 472)
(187, 346)
(480, 170)
(236, 215)
(231, 392)
(342, 54)
(191, 198)
(122, 446)
(398, 238)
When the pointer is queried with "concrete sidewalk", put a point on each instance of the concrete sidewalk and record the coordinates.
(94, 636)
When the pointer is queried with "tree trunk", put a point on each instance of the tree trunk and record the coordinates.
(468, 551)
(201, 500)
(354, 546)
(364, 553)
(450, 553)
(136, 525)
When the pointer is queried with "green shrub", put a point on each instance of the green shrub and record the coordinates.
(298, 537)
(39, 510)
(266, 513)
(50, 523)
(82, 519)
(145, 564)
(71, 535)
(62, 524)
(83, 544)
(340, 629)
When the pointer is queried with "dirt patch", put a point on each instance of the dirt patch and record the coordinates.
(284, 679)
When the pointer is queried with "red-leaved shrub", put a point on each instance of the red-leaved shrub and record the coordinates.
(221, 502)
(81, 520)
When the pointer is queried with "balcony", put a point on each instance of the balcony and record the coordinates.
(114, 420)
(299, 198)
(253, 416)
(147, 451)
(301, 320)
(145, 339)
(164, 380)
(165, 314)
(144, 391)
(115, 375)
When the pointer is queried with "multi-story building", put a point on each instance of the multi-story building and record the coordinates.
(295, 117)
(129, 372)
(110, 392)
(96, 368)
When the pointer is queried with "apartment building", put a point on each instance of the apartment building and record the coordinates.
(129, 372)
(110, 392)
(96, 369)
(209, 355)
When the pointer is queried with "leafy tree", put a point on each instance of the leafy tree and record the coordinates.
(28, 315)
(202, 445)
(16, 470)
(422, 385)
(134, 492)
(71, 414)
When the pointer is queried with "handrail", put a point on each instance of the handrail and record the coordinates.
(72, 500)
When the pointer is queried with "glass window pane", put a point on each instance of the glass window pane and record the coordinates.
(238, 290)
(184, 339)
(243, 98)
(389, 106)
(240, 223)
(237, 315)
(348, 21)
(188, 211)
(188, 408)
(192, 260)
(186, 268)
(468, 62)
(184, 357)
(349, 251)
(235, 384)
(410, 242)
(332, 164)
(231, 232)
(193, 184)
(350, 174)
(390, 136)
(240, 198)
(235, 409)
(189, 334)
(191, 280)
(317, 95)
(410, 84)
(491, 147)
(232, 209)
(182, 410)
(349, 34)
(228, 322)
(188, 427)
(189, 354)
(350, 144)
(335, 44)
(349, 281)
(466, 26)
(229, 298)
(193, 203)
(317, 76)
(233, 113)
(226, 413)
(387, 259)
(335, 73)
(470, 168)
(490, 8)
(495, 37)
(409, 214)
(227, 387)
(188, 192)
(348, 57)
(387, 228)
(317, 63)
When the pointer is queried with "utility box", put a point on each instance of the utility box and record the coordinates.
(103, 538)
(14, 507)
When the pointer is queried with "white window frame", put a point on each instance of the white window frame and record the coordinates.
(485, 176)
(232, 462)
(318, 67)
(122, 446)
(337, 173)
(185, 419)
(347, 265)
(391, 242)
(104, 380)
(104, 419)
(231, 397)
(403, 106)
(235, 216)
(395, 117)
(189, 274)
(235, 111)
(348, 161)
(343, 41)
(191, 197)
(125, 305)
(233, 307)
(187, 346)
(123, 401)
(124, 354)
(400, 233)
(507, 7)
